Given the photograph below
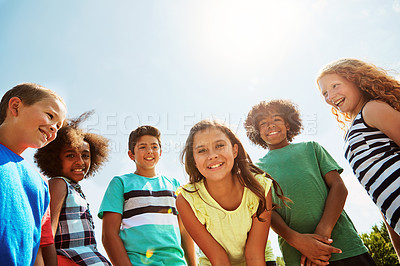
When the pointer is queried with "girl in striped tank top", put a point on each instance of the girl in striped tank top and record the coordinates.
(74, 155)
(368, 99)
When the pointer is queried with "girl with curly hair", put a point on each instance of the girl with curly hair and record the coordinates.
(310, 177)
(227, 204)
(366, 100)
(74, 155)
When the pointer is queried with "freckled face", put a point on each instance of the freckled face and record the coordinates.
(214, 154)
(341, 93)
(75, 162)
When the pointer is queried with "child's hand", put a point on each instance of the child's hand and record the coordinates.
(315, 248)
(306, 261)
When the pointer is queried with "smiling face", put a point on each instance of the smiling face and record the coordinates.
(146, 155)
(37, 124)
(342, 94)
(75, 162)
(214, 154)
(273, 130)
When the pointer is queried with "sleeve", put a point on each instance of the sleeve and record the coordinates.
(325, 161)
(113, 200)
(266, 184)
(47, 237)
(194, 201)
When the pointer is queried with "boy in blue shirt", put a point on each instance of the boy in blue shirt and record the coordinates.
(140, 221)
(30, 116)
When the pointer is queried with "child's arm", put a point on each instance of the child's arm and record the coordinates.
(383, 117)
(187, 244)
(58, 192)
(315, 247)
(258, 236)
(211, 248)
(334, 203)
(111, 240)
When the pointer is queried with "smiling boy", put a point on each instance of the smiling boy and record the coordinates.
(140, 221)
(30, 116)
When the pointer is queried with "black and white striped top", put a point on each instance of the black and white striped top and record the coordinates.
(375, 159)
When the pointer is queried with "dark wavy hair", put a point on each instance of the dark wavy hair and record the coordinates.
(374, 82)
(48, 158)
(242, 162)
(284, 108)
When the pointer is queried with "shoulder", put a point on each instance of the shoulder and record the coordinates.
(57, 185)
(264, 181)
(375, 112)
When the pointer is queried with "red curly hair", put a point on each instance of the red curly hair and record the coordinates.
(374, 82)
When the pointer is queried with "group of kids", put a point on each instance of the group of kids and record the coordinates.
(229, 203)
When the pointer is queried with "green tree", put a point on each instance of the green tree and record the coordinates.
(379, 246)
(280, 261)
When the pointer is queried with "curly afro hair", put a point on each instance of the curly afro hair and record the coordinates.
(374, 82)
(285, 108)
(48, 158)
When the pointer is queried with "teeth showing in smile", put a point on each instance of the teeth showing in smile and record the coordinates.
(337, 103)
(78, 170)
(272, 133)
(44, 134)
(149, 158)
(215, 165)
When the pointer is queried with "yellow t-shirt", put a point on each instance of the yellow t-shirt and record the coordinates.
(229, 228)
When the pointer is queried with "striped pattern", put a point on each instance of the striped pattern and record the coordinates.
(144, 207)
(375, 160)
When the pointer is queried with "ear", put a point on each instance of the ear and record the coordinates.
(235, 150)
(14, 104)
(131, 155)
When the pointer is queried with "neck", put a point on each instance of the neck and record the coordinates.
(146, 173)
(6, 138)
(228, 192)
(357, 109)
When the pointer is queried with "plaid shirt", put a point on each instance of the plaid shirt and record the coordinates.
(74, 237)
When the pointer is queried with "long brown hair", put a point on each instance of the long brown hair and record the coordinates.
(373, 81)
(243, 168)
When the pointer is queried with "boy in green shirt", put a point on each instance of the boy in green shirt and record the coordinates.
(310, 177)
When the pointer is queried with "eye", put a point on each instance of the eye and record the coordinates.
(50, 115)
(141, 147)
(201, 150)
(155, 147)
(220, 145)
(70, 155)
(86, 156)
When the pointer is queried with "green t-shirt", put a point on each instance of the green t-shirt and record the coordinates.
(299, 169)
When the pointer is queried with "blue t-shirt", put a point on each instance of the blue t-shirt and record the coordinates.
(24, 199)
(149, 228)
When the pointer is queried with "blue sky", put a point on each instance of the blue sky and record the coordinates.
(172, 63)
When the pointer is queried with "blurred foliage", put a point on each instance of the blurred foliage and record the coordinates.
(379, 246)
(280, 261)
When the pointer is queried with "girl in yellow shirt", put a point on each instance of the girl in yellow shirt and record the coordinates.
(226, 206)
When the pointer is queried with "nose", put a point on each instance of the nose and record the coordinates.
(79, 159)
(212, 155)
